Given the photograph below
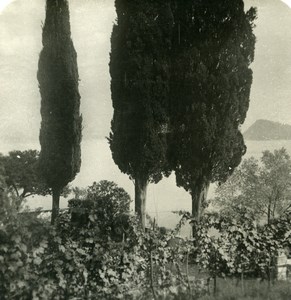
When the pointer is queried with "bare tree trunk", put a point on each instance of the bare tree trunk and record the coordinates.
(275, 204)
(269, 213)
(15, 189)
(23, 194)
(140, 199)
(199, 195)
(56, 204)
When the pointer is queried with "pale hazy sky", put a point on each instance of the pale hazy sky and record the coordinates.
(91, 23)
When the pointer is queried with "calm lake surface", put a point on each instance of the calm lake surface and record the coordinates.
(163, 198)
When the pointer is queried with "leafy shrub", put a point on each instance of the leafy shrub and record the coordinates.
(19, 235)
(68, 261)
(105, 205)
(239, 247)
(82, 262)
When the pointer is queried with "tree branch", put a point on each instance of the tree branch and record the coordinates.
(15, 189)
(27, 195)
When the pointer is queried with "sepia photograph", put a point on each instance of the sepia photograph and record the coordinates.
(145, 149)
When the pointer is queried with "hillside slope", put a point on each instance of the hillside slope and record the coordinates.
(268, 130)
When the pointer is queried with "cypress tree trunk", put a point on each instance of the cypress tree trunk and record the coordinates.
(140, 199)
(269, 213)
(199, 195)
(56, 204)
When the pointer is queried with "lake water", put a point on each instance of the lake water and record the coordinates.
(163, 198)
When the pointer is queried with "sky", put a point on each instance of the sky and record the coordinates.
(91, 25)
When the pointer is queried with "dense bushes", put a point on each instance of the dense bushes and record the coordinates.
(240, 248)
(73, 263)
(82, 263)
(20, 237)
(104, 206)
(69, 261)
(89, 261)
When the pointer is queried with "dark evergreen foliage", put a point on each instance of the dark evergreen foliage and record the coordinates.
(213, 47)
(180, 69)
(60, 133)
(140, 72)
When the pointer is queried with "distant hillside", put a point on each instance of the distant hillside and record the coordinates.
(268, 130)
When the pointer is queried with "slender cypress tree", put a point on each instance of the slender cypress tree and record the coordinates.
(140, 72)
(213, 47)
(60, 133)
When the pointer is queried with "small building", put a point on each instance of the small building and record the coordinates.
(283, 267)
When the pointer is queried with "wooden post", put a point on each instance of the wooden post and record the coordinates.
(187, 272)
(152, 276)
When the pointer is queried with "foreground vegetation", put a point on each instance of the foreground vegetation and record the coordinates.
(97, 250)
(252, 289)
(86, 257)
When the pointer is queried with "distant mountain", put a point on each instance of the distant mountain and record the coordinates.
(268, 130)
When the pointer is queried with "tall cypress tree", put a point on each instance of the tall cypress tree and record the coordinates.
(60, 133)
(213, 47)
(140, 72)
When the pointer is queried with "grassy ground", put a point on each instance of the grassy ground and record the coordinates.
(228, 289)
(234, 289)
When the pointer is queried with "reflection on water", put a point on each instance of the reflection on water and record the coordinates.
(255, 148)
(163, 198)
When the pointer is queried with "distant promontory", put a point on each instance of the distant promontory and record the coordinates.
(263, 130)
